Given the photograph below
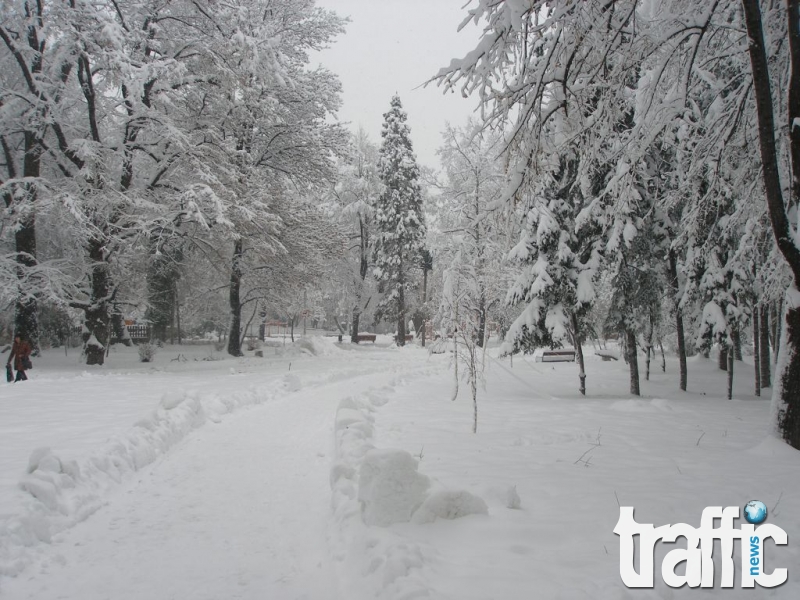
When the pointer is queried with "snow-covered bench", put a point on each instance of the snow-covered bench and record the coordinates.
(366, 337)
(558, 356)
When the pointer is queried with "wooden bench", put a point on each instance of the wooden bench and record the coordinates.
(557, 356)
(409, 337)
(366, 337)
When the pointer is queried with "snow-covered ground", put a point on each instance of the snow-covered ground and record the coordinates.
(326, 471)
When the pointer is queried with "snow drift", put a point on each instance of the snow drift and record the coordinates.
(64, 492)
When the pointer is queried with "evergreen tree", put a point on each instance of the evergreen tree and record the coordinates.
(559, 249)
(164, 271)
(399, 220)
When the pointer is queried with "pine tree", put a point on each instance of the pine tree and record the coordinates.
(398, 218)
(561, 256)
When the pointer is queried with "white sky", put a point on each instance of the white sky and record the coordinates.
(393, 46)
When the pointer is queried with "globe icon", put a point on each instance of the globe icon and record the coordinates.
(755, 512)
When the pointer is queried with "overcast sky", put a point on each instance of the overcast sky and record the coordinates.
(393, 46)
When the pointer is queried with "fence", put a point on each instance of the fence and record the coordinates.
(139, 333)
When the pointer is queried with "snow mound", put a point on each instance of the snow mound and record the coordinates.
(390, 488)
(292, 383)
(513, 500)
(317, 345)
(447, 504)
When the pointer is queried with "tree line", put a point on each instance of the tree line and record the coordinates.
(634, 173)
(653, 154)
(145, 141)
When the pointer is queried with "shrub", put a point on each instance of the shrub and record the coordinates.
(146, 352)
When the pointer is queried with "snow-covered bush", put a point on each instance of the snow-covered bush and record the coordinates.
(147, 352)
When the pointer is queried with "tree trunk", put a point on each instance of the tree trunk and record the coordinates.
(663, 357)
(480, 339)
(757, 348)
(97, 314)
(234, 338)
(363, 267)
(424, 300)
(623, 345)
(401, 330)
(774, 323)
(305, 311)
(673, 270)
(764, 352)
(633, 361)
(26, 322)
(401, 314)
(779, 319)
(576, 341)
(731, 360)
(786, 396)
(171, 315)
(177, 312)
(736, 338)
(474, 387)
(648, 349)
(355, 325)
(118, 329)
(722, 358)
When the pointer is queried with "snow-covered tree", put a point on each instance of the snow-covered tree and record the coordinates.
(560, 253)
(399, 220)
(156, 121)
(469, 220)
(354, 198)
(676, 77)
(782, 213)
(459, 316)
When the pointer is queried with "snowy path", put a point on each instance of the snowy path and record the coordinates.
(237, 510)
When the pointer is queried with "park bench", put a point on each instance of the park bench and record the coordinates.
(366, 337)
(558, 356)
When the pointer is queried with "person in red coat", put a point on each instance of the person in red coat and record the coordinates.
(21, 353)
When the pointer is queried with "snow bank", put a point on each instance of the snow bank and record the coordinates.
(317, 346)
(64, 492)
(447, 504)
(377, 494)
